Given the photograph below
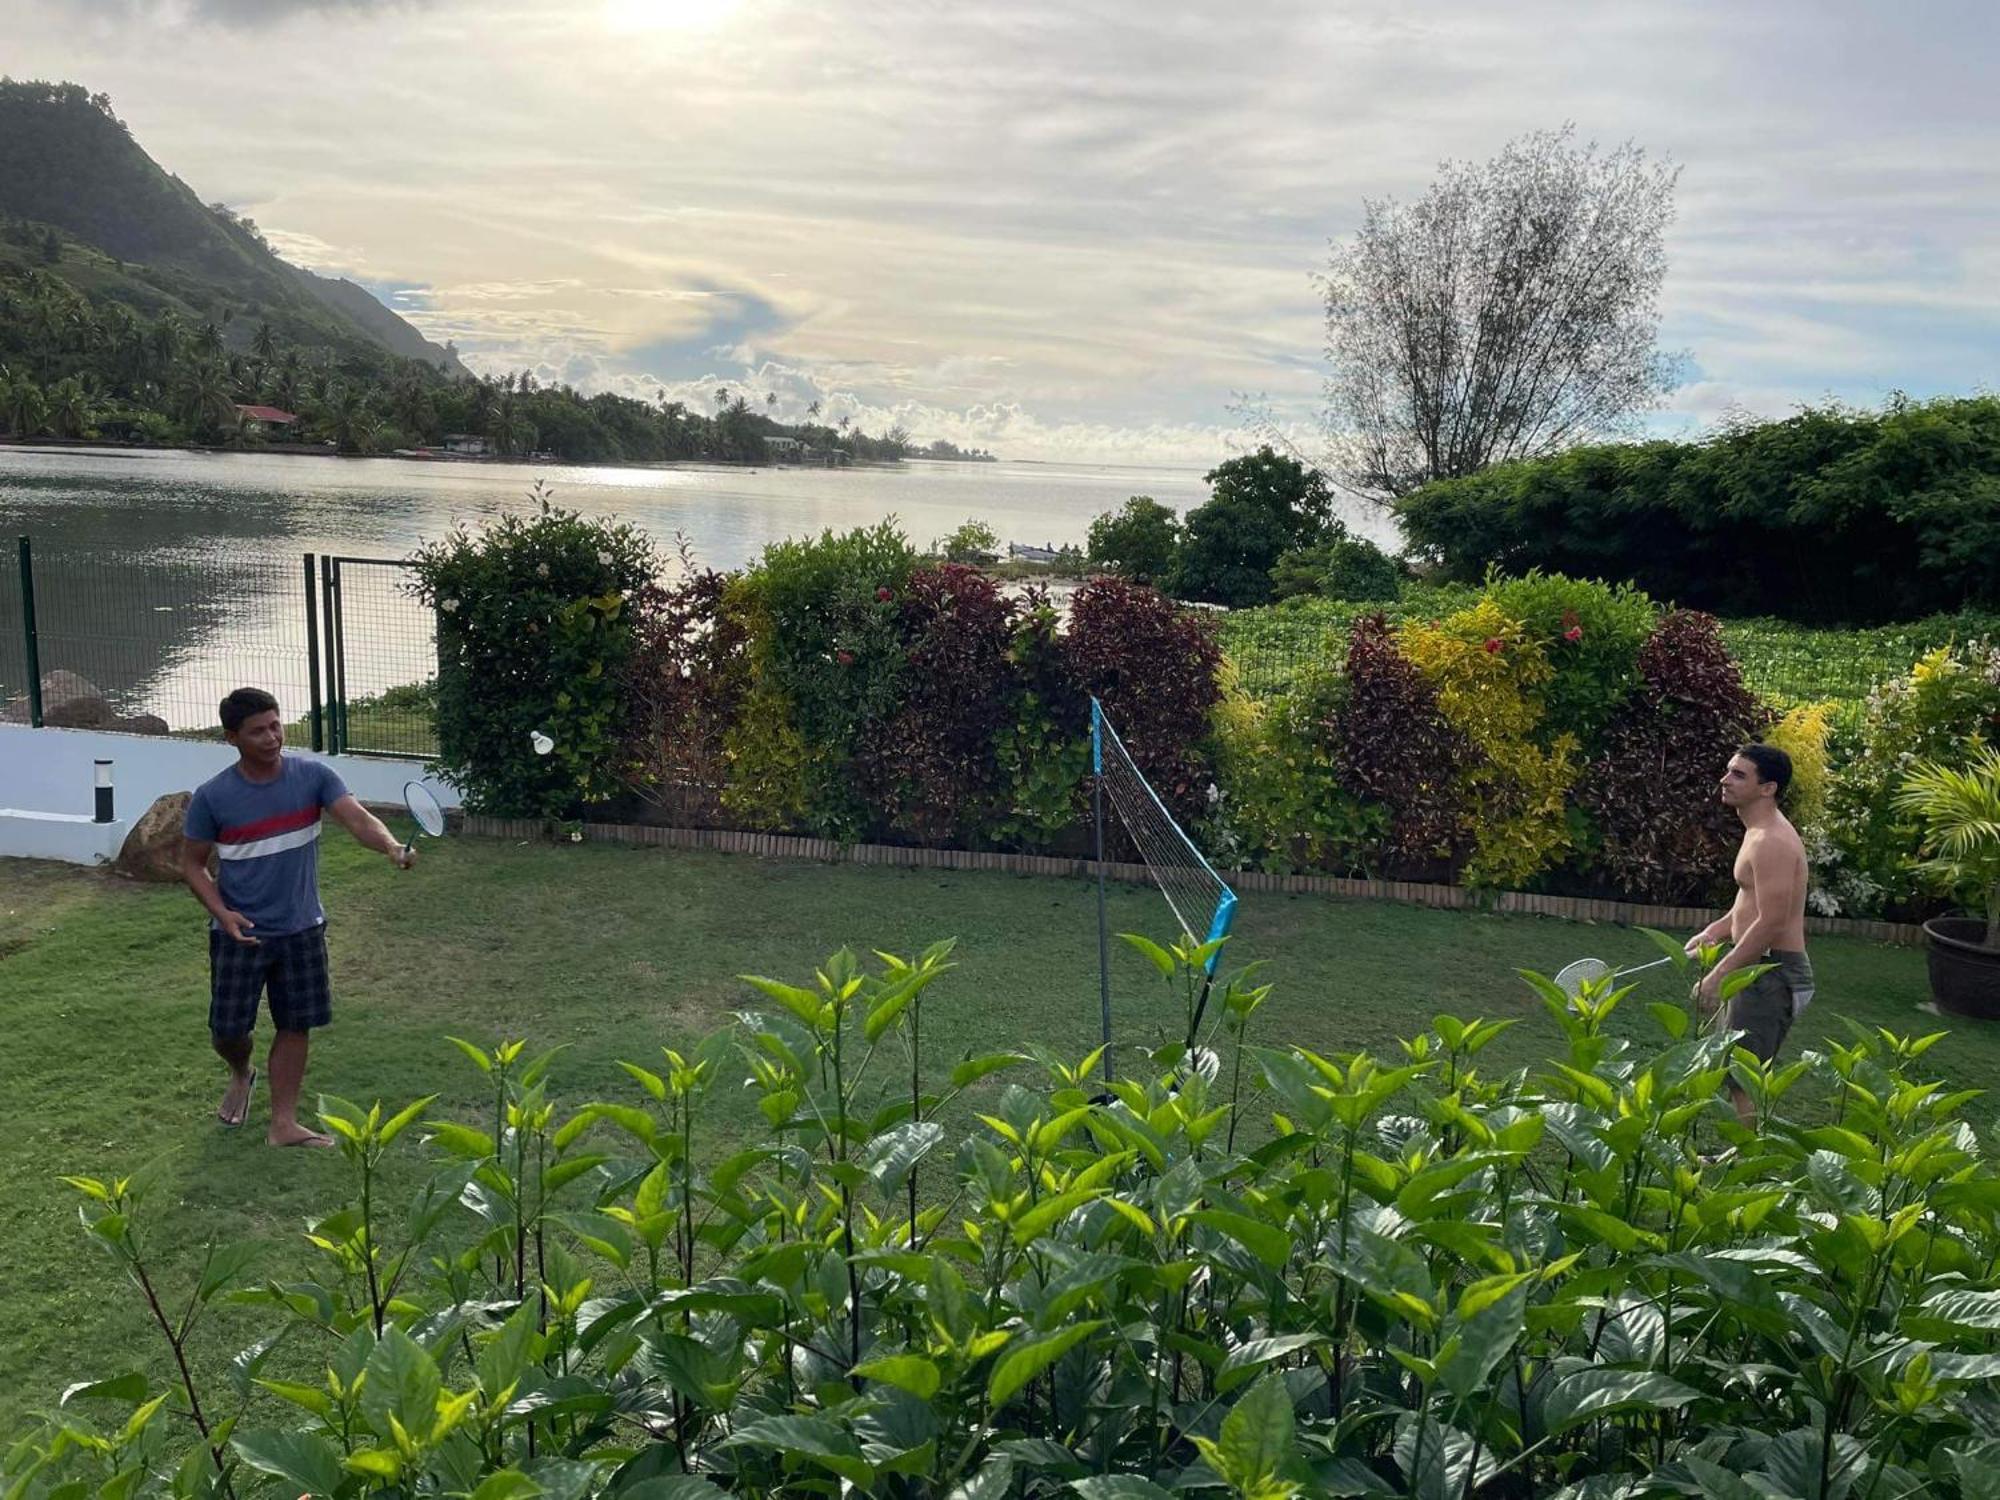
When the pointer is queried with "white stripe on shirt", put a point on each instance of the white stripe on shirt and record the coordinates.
(298, 838)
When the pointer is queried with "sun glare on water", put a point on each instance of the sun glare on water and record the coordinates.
(666, 15)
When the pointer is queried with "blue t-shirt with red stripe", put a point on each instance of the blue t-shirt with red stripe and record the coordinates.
(266, 837)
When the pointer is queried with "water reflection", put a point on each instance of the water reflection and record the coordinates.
(168, 578)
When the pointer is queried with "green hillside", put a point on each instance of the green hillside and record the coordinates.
(129, 232)
(130, 311)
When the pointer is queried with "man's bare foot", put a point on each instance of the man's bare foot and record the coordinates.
(296, 1134)
(236, 1098)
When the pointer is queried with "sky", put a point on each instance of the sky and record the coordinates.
(1059, 229)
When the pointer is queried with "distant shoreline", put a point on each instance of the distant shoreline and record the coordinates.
(317, 450)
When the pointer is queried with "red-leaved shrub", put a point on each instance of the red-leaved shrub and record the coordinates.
(1662, 832)
(929, 769)
(1152, 665)
(684, 687)
(1395, 748)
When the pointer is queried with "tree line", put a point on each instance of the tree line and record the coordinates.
(71, 367)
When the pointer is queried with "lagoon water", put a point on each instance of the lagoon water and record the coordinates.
(167, 577)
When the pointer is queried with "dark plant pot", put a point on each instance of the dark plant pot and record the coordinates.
(1965, 973)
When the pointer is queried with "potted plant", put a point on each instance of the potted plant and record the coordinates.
(1960, 809)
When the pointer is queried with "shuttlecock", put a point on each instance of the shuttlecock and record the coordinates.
(542, 743)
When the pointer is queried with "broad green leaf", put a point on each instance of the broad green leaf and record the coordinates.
(1025, 1361)
(993, 1481)
(650, 1081)
(129, 1388)
(1157, 956)
(803, 1004)
(1718, 1483)
(398, 1123)
(1253, 1354)
(892, 1155)
(1119, 1487)
(403, 1383)
(300, 1458)
(1267, 1242)
(478, 1054)
(672, 1487)
(506, 1484)
(907, 1372)
(312, 1398)
(1593, 1392)
(1963, 1308)
(1256, 1438)
(1490, 1319)
(975, 1068)
(821, 1439)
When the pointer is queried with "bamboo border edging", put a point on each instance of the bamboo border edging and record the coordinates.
(1448, 897)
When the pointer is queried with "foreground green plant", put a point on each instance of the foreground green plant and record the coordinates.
(1312, 1275)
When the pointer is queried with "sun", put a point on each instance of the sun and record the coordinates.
(629, 16)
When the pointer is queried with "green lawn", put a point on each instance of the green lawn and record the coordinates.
(615, 952)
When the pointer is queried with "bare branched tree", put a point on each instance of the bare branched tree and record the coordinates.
(1509, 312)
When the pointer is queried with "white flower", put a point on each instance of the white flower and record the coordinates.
(541, 570)
(604, 559)
(449, 606)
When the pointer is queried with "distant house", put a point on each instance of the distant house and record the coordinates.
(469, 443)
(273, 421)
(784, 447)
(1021, 553)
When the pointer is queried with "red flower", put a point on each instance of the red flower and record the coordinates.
(883, 596)
(845, 658)
(1573, 634)
(1492, 645)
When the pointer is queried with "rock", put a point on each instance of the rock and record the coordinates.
(152, 850)
(141, 724)
(69, 701)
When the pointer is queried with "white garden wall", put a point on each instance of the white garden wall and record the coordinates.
(46, 781)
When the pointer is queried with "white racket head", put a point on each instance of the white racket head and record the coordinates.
(424, 807)
(1571, 978)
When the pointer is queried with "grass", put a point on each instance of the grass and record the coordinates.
(613, 952)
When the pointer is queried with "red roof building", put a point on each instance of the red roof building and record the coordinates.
(271, 415)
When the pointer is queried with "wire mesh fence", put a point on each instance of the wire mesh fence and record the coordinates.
(151, 643)
(384, 660)
(1275, 650)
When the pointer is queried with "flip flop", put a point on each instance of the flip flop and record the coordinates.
(248, 1093)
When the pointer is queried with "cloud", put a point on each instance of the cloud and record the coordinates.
(1060, 227)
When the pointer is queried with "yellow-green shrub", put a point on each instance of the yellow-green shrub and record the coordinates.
(1802, 735)
(1487, 671)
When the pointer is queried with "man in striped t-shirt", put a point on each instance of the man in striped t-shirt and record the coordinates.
(267, 932)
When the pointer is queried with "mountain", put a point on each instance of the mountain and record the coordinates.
(131, 232)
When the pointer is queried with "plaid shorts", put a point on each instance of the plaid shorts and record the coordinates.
(293, 968)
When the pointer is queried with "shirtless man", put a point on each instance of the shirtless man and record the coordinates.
(1767, 925)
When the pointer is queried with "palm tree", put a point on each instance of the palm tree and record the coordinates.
(265, 344)
(206, 399)
(24, 407)
(69, 408)
(208, 340)
(410, 405)
(812, 412)
(286, 390)
(348, 420)
(163, 344)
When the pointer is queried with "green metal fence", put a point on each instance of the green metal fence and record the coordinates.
(151, 643)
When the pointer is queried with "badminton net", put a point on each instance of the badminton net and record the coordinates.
(1201, 901)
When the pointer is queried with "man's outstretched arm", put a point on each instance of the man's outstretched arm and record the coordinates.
(370, 831)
